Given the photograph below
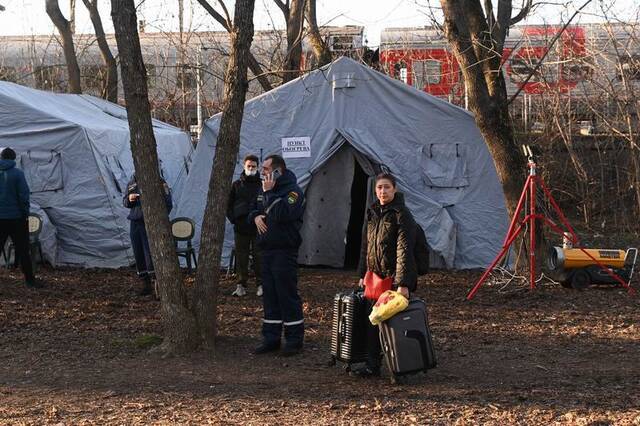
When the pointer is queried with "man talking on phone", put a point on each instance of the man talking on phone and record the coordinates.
(278, 219)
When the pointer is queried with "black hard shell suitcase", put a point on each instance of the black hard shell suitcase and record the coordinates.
(406, 341)
(349, 328)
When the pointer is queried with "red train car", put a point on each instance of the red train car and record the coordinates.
(422, 58)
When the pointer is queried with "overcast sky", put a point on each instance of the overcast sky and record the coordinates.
(29, 17)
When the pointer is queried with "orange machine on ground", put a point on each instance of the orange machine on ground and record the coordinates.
(578, 268)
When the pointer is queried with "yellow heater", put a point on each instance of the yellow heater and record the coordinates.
(571, 258)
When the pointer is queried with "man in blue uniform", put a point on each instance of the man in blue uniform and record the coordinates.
(138, 232)
(278, 219)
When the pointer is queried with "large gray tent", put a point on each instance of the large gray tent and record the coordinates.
(75, 152)
(340, 125)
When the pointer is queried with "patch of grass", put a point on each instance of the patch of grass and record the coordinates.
(119, 343)
(147, 341)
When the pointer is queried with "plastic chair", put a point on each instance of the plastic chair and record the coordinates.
(183, 229)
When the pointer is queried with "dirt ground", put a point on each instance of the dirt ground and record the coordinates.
(76, 352)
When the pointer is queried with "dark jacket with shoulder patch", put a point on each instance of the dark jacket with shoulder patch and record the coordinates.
(283, 207)
(388, 241)
(242, 198)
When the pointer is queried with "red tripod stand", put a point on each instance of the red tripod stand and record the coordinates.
(528, 197)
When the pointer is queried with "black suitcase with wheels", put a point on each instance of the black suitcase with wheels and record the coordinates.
(406, 341)
(349, 328)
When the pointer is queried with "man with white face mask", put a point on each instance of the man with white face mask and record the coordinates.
(244, 193)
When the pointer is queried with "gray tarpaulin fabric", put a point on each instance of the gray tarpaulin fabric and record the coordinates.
(433, 148)
(75, 153)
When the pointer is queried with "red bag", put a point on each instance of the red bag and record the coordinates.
(374, 286)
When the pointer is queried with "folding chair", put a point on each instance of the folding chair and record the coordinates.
(183, 229)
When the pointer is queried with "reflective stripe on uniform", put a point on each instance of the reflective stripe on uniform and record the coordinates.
(294, 322)
(268, 321)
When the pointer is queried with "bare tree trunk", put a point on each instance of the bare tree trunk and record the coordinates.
(256, 70)
(478, 52)
(110, 83)
(64, 28)
(254, 65)
(293, 12)
(295, 26)
(180, 328)
(72, 16)
(320, 49)
(228, 143)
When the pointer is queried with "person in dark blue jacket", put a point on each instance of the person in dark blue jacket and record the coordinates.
(278, 219)
(14, 213)
(138, 232)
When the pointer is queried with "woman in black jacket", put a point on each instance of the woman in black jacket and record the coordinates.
(387, 251)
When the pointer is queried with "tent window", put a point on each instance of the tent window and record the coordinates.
(43, 170)
(445, 165)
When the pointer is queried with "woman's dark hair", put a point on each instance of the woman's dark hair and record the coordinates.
(387, 176)
(251, 157)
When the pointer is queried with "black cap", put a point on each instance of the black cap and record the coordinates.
(8, 154)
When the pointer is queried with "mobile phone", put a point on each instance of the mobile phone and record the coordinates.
(275, 174)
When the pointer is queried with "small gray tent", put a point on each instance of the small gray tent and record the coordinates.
(340, 125)
(75, 153)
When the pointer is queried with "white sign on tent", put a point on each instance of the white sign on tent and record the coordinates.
(298, 147)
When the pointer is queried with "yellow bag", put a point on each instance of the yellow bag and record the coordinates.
(389, 303)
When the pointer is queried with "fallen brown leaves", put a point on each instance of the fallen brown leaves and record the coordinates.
(76, 352)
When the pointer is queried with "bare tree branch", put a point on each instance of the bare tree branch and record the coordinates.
(283, 7)
(488, 10)
(110, 84)
(526, 8)
(500, 30)
(320, 48)
(226, 13)
(254, 65)
(64, 28)
(218, 17)
(541, 60)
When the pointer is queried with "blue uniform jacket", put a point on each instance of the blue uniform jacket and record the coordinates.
(14, 191)
(135, 214)
(283, 207)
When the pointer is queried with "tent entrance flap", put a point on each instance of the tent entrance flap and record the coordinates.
(325, 230)
(359, 191)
